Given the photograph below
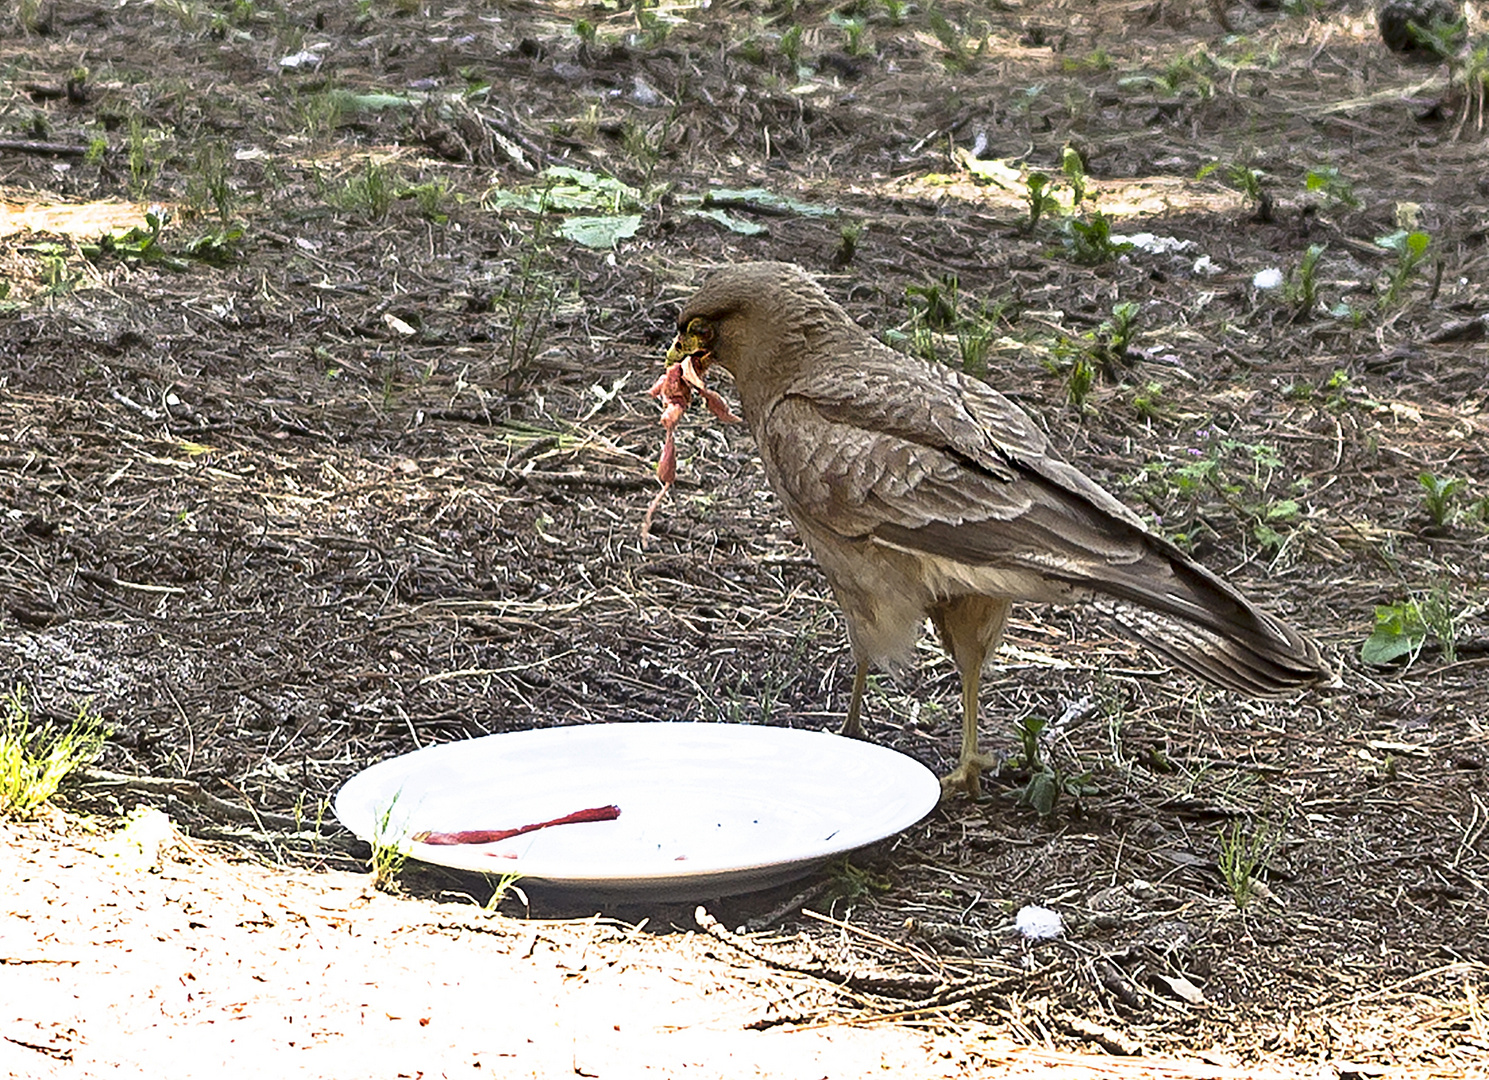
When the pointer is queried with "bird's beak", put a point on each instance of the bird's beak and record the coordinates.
(695, 343)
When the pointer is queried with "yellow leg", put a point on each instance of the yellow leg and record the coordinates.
(852, 727)
(970, 628)
(967, 776)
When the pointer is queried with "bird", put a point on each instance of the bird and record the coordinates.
(924, 493)
(1420, 28)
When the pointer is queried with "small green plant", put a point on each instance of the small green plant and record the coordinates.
(1040, 199)
(1097, 60)
(500, 887)
(1410, 248)
(848, 236)
(1301, 289)
(584, 30)
(1404, 628)
(388, 852)
(35, 761)
(1244, 854)
(1438, 498)
(209, 189)
(958, 57)
(1112, 339)
(432, 198)
(896, 11)
(1250, 183)
(1147, 402)
(790, 44)
(1442, 38)
(973, 339)
(1080, 379)
(370, 192)
(652, 26)
(529, 295)
(28, 18)
(1089, 241)
(1327, 181)
(1047, 782)
(849, 882)
(1075, 175)
(854, 29)
(136, 245)
(142, 166)
(934, 305)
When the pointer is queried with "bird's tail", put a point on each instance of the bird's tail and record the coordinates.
(1192, 618)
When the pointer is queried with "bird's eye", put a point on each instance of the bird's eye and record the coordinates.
(701, 330)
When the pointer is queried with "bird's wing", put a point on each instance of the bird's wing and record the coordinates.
(928, 459)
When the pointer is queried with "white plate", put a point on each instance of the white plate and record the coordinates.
(705, 809)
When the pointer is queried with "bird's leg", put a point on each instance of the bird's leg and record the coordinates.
(967, 775)
(853, 727)
(970, 627)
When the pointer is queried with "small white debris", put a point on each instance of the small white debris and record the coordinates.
(1157, 245)
(1038, 923)
(1206, 266)
(303, 58)
(1182, 988)
(1270, 278)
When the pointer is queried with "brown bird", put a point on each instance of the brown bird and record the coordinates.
(923, 492)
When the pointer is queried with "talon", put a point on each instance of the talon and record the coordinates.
(967, 776)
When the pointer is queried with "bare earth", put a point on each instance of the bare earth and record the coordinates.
(352, 457)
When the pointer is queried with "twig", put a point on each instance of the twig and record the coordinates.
(32, 146)
(192, 792)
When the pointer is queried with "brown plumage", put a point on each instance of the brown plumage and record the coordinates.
(925, 493)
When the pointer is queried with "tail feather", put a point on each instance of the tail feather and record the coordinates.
(1203, 625)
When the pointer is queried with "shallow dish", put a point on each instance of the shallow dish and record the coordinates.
(705, 809)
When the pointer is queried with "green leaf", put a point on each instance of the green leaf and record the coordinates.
(760, 199)
(1399, 631)
(732, 223)
(600, 232)
(351, 103)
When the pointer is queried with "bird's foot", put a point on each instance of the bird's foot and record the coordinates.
(967, 776)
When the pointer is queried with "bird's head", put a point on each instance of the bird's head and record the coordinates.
(765, 323)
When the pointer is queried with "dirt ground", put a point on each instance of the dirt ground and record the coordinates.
(351, 458)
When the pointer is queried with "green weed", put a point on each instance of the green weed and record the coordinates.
(1244, 853)
(1250, 183)
(209, 188)
(1040, 199)
(1404, 628)
(1410, 248)
(388, 850)
(1089, 241)
(1075, 175)
(35, 761)
(1438, 498)
(432, 199)
(1301, 289)
(853, 29)
(370, 192)
(848, 236)
(142, 165)
(1047, 782)
(1111, 340)
(849, 882)
(790, 44)
(1327, 181)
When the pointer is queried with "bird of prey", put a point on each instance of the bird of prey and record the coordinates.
(924, 493)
